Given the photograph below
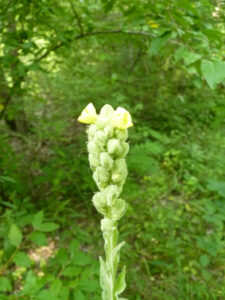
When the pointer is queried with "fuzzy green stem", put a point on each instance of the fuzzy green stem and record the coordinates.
(110, 261)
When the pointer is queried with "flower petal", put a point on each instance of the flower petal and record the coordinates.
(88, 115)
(122, 118)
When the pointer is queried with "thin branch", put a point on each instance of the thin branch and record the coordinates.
(116, 31)
(55, 47)
(77, 17)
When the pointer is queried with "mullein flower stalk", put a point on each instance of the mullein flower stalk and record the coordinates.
(107, 148)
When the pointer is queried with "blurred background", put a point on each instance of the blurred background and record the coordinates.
(162, 61)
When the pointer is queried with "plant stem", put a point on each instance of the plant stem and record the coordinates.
(2, 270)
(111, 258)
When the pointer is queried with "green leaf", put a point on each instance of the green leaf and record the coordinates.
(217, 186)
(71, 271)
(190, 57)
(88, 286)
(15, 235)
(206, 274)
(158, 136)
(22, 259)
(204, 260)
(219, 67)
(158, 43)
(46, 227)
(207, 69)
(38, 238)
(37, 220)
(61, 257)
(45, 295)
(30, 283)
(64, 294)
(81, 259)
(7, 179)
(78, 295)
(74, 246)
(213, 72)
(55, 287)
(109, 5)
(120, 282)
(104, 278)
(179, 54)
(5, 285)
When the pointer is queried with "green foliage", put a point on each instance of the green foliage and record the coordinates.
(49, 271)
(15, 236)
(164, 62)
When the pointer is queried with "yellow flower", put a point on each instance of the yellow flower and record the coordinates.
(152, 24)
(122, 118)
(88, 115)
(1, 107)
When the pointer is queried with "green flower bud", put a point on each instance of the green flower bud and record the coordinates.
(126, 148)
(121, 134)
(91, 132)
(112, 193)
(109, 131)
(119, 171)
(106, 160)
(107, 225)
(118, 209)
(100, 203)
(94, 160)
(101, 175)
(114, 147)
(105, 116)
(100, 139)
(106, 112)
(93, 147)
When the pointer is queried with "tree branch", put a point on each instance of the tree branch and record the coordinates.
(77, 17)
(55, 47)
(83, 35)
(120, 31)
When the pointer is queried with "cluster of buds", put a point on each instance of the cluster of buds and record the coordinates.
(107, 148)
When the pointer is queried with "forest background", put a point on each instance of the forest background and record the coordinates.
(164, 62)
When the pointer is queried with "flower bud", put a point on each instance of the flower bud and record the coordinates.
(126, 148)
(107, 225)
(100, 184)
(92, 147)
(101, 174)
(106, 112)
(100, 139)
(119, 171)
(94, 160)
(118, 209)
(106, 160)
(109, 131)
(121, 134)
(112, 192)
(91, 132)
(105, 116)
(114, 147)
(100, 202)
